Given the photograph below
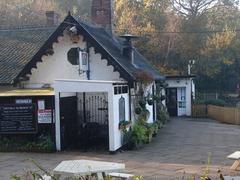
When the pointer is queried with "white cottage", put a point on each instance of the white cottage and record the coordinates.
(180, 93)
(75, 80)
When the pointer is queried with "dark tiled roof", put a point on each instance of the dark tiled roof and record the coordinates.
(17, 48)
(114, 45)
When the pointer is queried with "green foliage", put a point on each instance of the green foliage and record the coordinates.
(208, 37)
(138, 110)
(217, 102)
(124, 125)
(149, 133)
(138, 136)
(142, 103)
(162, 114)
(150, 102)
(42, 144)
(141, 111)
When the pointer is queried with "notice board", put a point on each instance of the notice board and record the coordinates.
(18, 118)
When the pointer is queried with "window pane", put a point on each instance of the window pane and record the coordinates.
(73, 56)
(122, 109)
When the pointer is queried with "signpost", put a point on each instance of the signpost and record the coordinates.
(18, 118)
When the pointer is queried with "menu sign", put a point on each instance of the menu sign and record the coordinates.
(17, 118)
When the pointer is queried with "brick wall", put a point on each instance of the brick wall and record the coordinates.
(101, 13)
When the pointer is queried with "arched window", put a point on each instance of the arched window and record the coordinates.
(122, 109)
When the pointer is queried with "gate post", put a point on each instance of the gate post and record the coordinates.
(111, 122)
(57, 121)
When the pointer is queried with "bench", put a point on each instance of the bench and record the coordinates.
(120, 175)
(235, 156)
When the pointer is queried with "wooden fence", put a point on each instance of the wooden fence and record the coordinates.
(229, 115)
(224, 114)
(199, 110)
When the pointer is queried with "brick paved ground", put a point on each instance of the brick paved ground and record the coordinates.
(182, 146)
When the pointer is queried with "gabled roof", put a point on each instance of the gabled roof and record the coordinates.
(21, 49)
(17, 48)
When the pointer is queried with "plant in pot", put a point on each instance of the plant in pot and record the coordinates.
(123, 125)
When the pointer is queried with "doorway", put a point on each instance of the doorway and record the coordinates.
(68, 121)
(92, 119)
(84, 121)
(171, 101)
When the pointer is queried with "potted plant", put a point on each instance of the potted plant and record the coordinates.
(123, 125)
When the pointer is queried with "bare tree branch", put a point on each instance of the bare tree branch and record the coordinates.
(192, 8)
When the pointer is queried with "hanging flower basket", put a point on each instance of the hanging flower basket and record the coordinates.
(138, 110)
(142, 103)
(150, 102)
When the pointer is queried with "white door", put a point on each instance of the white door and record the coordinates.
(181, 97)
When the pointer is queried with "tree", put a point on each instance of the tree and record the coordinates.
(192, 8)
(219, 60)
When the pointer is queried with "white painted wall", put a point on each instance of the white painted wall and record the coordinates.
(183, 83)
(66, 86)
(57, 66)
(118, 133)
(99, 70)
(149, 107)
(163, 92)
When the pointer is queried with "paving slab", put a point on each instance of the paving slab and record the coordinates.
(182, 147)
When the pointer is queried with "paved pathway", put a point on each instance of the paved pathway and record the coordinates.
(182, 146)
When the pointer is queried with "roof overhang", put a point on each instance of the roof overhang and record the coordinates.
(26, 92)
(181, 77)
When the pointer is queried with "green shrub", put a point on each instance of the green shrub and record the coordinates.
(197, 101)
(138, 134)
(217, 102)
(156, 128)
(149, 133)
(42, 144)
(162, 115)
(45, 143)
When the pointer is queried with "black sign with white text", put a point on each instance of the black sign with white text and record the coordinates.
(17, 118)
